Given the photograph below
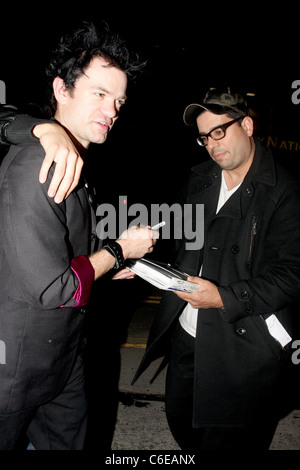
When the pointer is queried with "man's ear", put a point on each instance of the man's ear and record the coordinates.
(60, 91)
(247, 124)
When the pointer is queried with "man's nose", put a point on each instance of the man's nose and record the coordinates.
(211, 143)
(109, 109)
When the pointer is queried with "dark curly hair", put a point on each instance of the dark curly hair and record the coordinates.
(76, 49)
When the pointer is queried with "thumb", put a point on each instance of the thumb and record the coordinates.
(194, 279)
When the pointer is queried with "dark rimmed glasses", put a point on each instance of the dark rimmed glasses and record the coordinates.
(217, 133)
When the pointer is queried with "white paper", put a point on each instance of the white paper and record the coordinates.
(277, 330)
(161, 275)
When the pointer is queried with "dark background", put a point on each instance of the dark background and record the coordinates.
(189, 49)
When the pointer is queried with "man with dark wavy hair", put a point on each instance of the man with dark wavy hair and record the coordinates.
(47, 261)
(69, 60)
(75, 51)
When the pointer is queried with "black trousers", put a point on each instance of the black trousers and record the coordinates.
(59, 424)
(179, 408)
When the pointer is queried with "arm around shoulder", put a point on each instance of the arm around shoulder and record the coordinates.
(17, 128)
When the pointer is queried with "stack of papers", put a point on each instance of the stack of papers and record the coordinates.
(161, 275)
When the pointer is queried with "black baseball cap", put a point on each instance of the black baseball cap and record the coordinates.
(217, 101)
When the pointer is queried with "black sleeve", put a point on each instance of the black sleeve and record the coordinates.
(16, 127)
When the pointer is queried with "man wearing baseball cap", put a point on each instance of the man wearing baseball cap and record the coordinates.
(229, 344)
(217, 102)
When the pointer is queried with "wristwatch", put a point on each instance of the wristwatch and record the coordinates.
(116, 250)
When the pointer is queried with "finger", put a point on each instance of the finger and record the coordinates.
(155, 235)
(78, 169)
(194, 279)
(124, 274)
(46, 165)
(180, 294)
(67, 183)
(59, 173)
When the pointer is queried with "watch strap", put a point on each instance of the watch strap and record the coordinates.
(115, 249)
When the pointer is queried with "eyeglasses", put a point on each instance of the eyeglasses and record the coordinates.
(217, 133)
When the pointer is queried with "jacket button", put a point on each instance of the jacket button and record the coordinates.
(235, 249)
(249, 310)
(240, 330)
(83, 310)
(245, 295)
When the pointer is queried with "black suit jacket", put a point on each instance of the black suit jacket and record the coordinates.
(42, 297)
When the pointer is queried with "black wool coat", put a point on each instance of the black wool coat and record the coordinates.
(252, 253)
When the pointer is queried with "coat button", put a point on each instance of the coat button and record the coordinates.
(240, 330)
(235, 249)
(245, 295)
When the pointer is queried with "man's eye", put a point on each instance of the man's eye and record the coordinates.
(218, 132)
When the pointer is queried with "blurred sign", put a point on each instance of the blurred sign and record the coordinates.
(280, 143)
